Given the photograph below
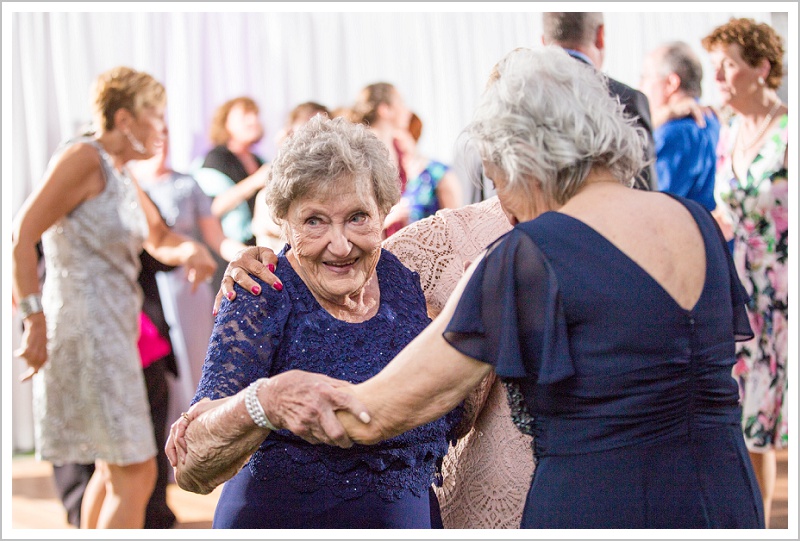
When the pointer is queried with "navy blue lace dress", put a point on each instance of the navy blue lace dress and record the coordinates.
(630, 397)
(289, 483)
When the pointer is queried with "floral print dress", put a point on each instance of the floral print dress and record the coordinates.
(758, 206)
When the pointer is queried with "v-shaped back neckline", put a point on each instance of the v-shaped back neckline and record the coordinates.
(638, 266)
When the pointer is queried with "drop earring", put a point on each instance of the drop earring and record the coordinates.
(135, 143)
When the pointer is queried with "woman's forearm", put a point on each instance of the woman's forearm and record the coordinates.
(427, 379)
(219, 442)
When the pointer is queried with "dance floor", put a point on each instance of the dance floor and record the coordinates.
(34, 504)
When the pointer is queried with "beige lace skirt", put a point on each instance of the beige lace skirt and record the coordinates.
(487, 474)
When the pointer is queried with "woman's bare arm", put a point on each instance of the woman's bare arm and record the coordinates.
(217, 437)
(427, 379)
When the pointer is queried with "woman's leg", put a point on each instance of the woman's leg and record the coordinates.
(127, 492)
(94, 495)
(765, 466)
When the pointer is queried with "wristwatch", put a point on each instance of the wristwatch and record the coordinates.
(32, 304)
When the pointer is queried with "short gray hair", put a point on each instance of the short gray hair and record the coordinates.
(323, 152)
(679, 58)
(546, 118)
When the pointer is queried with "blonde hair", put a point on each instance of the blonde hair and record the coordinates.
(123, 88)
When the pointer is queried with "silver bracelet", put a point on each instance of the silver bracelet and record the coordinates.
(32, 304)
(254, 407)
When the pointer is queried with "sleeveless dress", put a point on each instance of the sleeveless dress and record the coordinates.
(633, 409)
(488, 470)
(182, 203)
(89, 399)
(289, 483)
(759, 207)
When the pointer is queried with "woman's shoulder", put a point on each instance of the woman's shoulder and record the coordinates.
(218, 155)
(79, 159)
(390, 263)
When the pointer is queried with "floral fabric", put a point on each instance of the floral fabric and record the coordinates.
(759, 207)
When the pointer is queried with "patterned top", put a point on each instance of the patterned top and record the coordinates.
(759, 208)
(487, 472)
(90, 400)
(420, 191)
(258, 336)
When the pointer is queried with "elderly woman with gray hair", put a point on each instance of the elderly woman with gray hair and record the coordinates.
(614, 311)
(344, 308)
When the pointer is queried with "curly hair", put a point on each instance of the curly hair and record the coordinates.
(322, 153)
(123, 88)
(546, 120)
(218, 133)
(758, 41)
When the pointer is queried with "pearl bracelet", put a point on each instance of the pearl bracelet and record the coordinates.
(254, 407)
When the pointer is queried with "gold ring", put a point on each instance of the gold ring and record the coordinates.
(186, 416)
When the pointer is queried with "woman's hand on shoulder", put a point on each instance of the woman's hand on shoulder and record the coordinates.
(685, 107)
(256, 260)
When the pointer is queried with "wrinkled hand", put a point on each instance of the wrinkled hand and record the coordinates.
(306, 403)
(216, 444)
(33, 345)
(200, 265)
(176, 448)
(256, 260)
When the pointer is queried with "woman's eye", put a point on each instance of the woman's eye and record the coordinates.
(359, 218)
(313, 221)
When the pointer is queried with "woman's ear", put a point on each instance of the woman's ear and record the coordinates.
(122, 119)
(764, 67)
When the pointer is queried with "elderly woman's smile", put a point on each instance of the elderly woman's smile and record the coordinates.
(335, 238)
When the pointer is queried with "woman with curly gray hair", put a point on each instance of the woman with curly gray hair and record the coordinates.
(343, 308)
(613, 312)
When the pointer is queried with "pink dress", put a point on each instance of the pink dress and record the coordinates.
(486, 475)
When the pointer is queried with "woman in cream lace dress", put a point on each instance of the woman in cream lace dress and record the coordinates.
(486, 474)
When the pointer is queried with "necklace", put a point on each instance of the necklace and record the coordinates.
(763, 127)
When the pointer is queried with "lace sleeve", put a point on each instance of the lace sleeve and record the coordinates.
(245, 338)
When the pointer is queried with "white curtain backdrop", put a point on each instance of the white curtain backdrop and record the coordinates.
(280, 56)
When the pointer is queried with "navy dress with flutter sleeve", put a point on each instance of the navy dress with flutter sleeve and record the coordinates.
(289, 483)
(631, 402)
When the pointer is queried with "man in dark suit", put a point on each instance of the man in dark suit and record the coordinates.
(582, 35)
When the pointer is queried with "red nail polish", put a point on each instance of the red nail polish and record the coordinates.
(214, 312)
(277, 286)
(271, 267)
(230, 295)
(256, 290)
